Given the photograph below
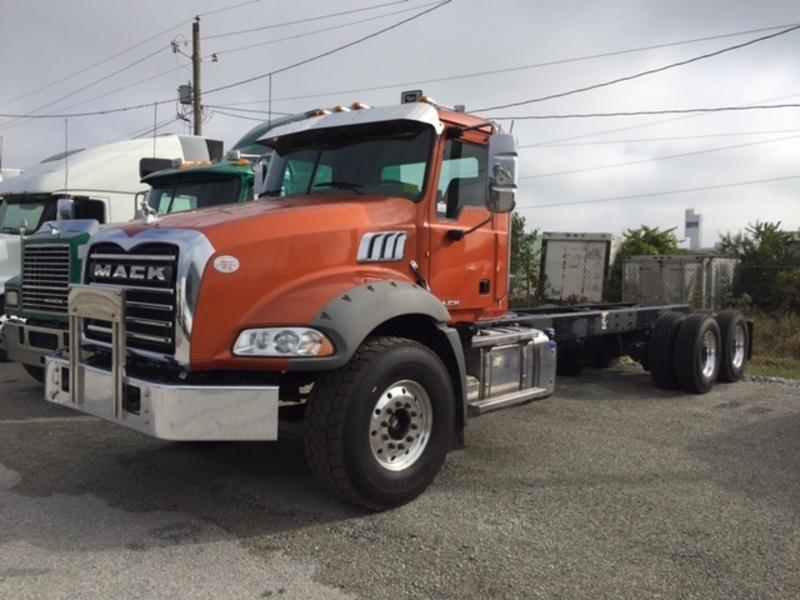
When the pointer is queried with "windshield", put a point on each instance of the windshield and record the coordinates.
(13, 214)
(190, 195)
(384, 159)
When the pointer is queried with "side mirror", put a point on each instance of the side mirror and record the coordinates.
(65, 209)
(502, 178)
(139, 199)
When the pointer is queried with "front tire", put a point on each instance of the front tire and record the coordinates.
(378, 429)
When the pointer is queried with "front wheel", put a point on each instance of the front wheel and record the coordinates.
(377, 430)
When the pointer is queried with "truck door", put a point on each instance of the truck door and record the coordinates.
(462, 272)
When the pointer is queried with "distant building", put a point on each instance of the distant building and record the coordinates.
(694, 229)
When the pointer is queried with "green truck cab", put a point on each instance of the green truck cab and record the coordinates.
(36, 300)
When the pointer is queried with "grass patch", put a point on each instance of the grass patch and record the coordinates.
(776, 345)
(788, 368)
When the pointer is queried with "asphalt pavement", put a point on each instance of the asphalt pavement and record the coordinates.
(609, 489)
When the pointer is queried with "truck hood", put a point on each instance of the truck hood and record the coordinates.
(293, 256)
(229, 226)
(9, 258)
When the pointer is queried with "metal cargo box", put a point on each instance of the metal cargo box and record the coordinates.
(698, 280)
(576, 266)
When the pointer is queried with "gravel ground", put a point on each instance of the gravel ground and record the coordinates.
(609, 489)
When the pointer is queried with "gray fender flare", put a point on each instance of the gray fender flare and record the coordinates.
(348, 319)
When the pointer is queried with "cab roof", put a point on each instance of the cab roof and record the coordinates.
(200, 168)
(420, 112)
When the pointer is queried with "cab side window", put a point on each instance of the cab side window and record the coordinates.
(462, 181)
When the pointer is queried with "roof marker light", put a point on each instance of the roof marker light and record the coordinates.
(341, 108)
(429, 100)
(359, 106)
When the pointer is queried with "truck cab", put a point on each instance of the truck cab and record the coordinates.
(52, 257)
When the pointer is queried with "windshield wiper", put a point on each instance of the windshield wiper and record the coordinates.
(342, 185)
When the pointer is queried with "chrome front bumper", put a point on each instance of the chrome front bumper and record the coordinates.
(19, 341)
(161, 410)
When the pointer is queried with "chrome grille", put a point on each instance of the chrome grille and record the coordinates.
(45, 277)
(148, 275)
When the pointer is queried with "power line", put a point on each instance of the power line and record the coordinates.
(657, 139)
(91, 113)
(149, 130)
(227, 8)
(97, 64)
(519, 67)
(634, 113)
(323, 30)
(657, 158)
(652, 123)
(8, 124)
(245, 117)
(124, 87)
(248, 110)
(304, 20)
(663, 193)
(642, 73)
(332, 51)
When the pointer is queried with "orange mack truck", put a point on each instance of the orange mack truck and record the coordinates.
(363, 301)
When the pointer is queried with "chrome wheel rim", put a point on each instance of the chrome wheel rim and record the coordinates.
(739, 338)
(708, 354)
(400, 426)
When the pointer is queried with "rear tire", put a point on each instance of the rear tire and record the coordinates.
(377, 430)
(36, 372)
(735, 341)
(660, 351)
(697, 353)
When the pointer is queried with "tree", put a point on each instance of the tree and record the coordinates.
(644, 241)
(525, 252)
(770, 268)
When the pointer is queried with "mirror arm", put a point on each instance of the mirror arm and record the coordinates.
(455, 235)
(457, 132)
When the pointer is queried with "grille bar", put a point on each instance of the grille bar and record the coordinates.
(148, 275)
(45, 277)
(139, 257)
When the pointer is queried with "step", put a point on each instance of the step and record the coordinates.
(481, 407)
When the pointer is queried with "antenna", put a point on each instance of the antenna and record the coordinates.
(269, 103)
(66, 154)
(155, 126)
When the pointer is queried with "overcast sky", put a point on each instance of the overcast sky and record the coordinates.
(45, 40)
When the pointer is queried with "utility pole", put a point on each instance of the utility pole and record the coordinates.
(196, 62)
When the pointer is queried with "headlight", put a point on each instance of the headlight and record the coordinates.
(12, 298)
(282, 341)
